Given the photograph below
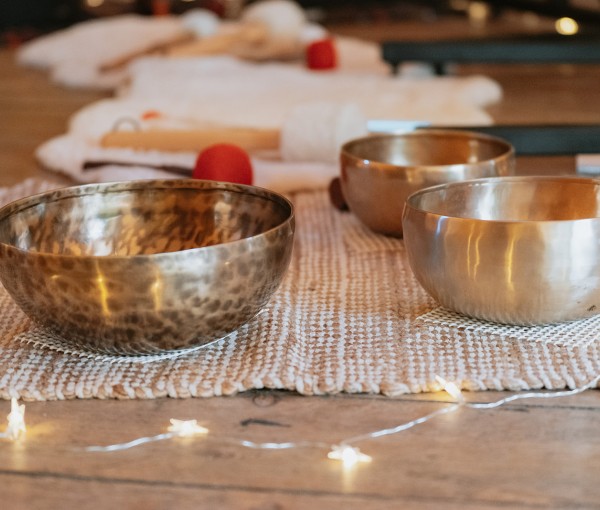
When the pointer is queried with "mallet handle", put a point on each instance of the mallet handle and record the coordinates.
(193, 140)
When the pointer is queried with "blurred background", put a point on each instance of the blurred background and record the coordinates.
(21, 20)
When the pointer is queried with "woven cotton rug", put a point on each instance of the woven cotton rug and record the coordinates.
(349, 317)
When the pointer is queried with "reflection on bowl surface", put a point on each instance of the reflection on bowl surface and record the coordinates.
(145, 266)
(514, 250)
(379, 172)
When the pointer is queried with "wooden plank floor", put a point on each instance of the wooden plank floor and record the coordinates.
(527, 454)
(538, 454)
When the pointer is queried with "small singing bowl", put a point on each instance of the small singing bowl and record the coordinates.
(513, 250)
(379, 172)
(145, 266)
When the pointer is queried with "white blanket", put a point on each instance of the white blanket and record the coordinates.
(75, 56)
(94, 54)
(224, 91)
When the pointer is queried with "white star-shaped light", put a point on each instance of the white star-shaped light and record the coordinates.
(16, 421)
(452, 389)
(349, 455)
(186, 428)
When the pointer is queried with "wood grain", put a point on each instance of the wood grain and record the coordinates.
(32, 110)
(524, 455)
(528, 454)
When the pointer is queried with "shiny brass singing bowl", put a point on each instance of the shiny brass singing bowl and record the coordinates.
(145, 266)
(513, 250)
(379, 172)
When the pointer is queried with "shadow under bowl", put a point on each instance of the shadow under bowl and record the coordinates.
(513, 250)
(145, 266)
(379, 172)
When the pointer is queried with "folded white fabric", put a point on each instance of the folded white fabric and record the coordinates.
(224, 91)
(199, 93)
(86, 162)
(76, 56)
(95, 54)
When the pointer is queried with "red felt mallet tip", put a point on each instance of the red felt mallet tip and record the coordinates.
(321, 54)
(150, 114)
(224, 162)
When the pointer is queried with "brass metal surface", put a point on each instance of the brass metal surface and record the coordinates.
(379, 172)
(145, 266)
(515, 250)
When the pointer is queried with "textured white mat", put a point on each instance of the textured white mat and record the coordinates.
(349, 316)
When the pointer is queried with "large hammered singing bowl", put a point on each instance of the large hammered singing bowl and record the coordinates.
(379, 172)
(145, 266)
(514, 250)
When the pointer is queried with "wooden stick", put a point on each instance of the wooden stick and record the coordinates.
(172, 169)
(160, 48)
(193, 140)
(186, 45)
(223, 42)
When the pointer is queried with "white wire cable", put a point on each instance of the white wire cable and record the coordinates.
(402, 427)
(190, 428)
(131, 444)
(567, 393)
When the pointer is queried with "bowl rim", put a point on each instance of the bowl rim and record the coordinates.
(508, 153)
(21, 204)
(409, 203)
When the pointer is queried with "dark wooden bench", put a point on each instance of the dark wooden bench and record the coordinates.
(549, 49)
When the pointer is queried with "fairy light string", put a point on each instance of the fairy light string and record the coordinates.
(178, 428)
(344, 451)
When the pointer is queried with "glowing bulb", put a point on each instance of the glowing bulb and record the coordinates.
(452, 389)
(566, 26)
(349, 455)
(186, 428)
(478, 12)
(16, 421)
